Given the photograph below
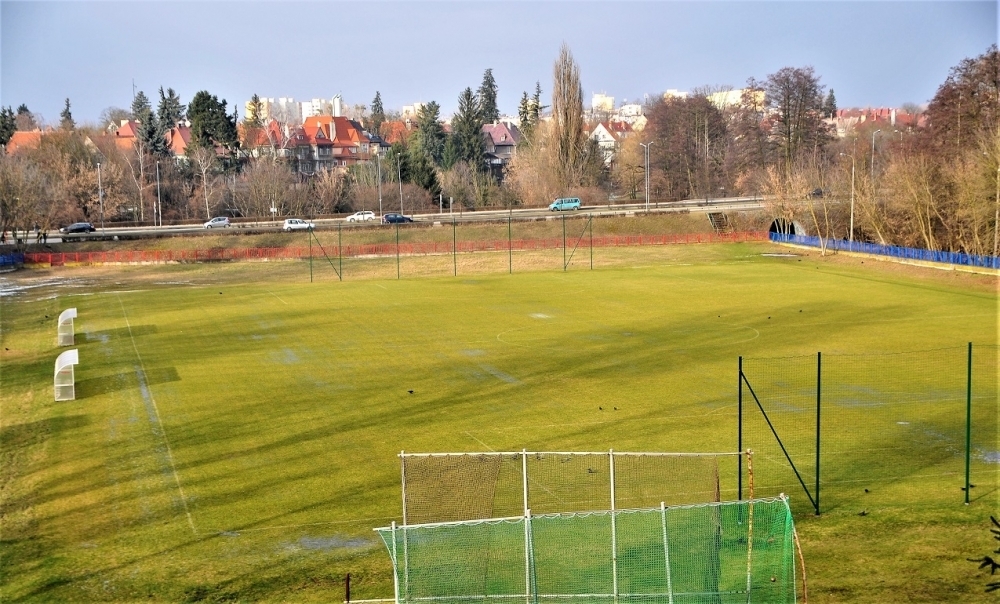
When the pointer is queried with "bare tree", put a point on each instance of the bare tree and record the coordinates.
(205, 162)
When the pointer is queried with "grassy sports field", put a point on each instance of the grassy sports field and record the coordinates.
(236, 428)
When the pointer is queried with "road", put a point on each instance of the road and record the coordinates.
(722, 204)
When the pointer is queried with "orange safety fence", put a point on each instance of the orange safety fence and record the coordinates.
(377, 249)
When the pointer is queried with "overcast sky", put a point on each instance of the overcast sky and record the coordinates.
(869, 53)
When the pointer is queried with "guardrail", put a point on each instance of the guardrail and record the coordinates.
(373, 249)
(892, 251)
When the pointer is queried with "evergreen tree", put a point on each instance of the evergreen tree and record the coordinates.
(140, 106)
(487, 94)
(830, 105)
(170, 110)
(378, 113)
(421, 170)
(66, 118)
(8, 125)
(467, 130)
(151, 135)
(25, 119)
(430, 133)
(253, 117)
(210, 124)
(450, 156)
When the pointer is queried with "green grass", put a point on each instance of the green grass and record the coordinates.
(236, 429)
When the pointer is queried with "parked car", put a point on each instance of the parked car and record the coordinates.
(217, 222)
(395, 218)
(566, 203)
(78, 227)
(297, 224)
(363, 216)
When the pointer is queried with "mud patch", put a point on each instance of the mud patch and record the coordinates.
(329, 543)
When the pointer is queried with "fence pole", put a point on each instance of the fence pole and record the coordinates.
(591, 242)
(454, 246)
(819, 390)
(395, 563)
(510, 247)
(397, 250)
(310, 257)
(739, 431)
(564, 242)
(340, 249)
(968, 426)
(614, 528)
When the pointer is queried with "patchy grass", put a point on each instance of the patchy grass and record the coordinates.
(237, 427)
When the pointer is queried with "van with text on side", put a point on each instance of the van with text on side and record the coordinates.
(566, 203)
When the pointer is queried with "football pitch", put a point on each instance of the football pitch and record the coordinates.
(237, 428)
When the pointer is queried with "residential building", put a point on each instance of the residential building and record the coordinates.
(501, 139)
(24, 140)
(601, 102)
(609, 136)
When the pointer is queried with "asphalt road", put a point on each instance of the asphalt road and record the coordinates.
(723, 204)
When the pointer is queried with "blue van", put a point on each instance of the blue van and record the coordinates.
(566, 203)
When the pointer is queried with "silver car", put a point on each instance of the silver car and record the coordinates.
(217, 222)
(296, 224)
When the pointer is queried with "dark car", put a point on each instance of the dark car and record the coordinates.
(78, 227)
(395, 218)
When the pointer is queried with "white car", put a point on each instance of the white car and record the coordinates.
(363, 216)
(217, 222)
(297, 224)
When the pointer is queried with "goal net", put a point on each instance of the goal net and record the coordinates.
(739, 551)
(446, 487)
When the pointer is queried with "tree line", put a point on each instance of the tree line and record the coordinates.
(935, 187)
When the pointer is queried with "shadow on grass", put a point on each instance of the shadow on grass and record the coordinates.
(122, 381)
(22, 435)
(120, 332)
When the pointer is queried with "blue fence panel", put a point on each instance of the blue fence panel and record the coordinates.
(7, 260)
(894, 251)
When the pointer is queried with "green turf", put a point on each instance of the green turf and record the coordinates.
(237, 428)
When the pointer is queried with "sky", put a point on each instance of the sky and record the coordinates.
(872, 54)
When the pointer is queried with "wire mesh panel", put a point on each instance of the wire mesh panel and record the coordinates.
(872, 422)
(779, 422)
(717, 552)
(445, 487)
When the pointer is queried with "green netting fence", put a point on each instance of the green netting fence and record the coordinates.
(445, 487)
(717, 553)
(911, 427)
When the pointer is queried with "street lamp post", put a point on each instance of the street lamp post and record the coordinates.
(159, 202)
(100, 195)
(645, 147)
(852, 196)
(378, 165)
(399, 174)
(873, 154)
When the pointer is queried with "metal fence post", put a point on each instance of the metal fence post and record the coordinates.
(340, 248)
(739, 431)
(510, 247)
(564, 242)
(310, 257)
(819, 391)
(397, 250)
(454, 247)
(968, 426)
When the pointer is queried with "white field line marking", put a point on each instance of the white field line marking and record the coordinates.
(156, 410)
(276, 296)
(467, 433)
(289, 526)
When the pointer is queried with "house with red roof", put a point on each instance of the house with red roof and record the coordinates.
(24, 140)
(609, 136)
(501, 139)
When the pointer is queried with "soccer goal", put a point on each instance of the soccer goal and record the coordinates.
(446, 487)
(740, 551)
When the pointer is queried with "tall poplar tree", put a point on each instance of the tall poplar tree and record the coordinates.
(567, 118)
